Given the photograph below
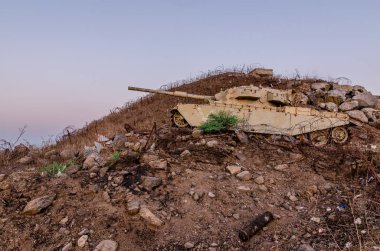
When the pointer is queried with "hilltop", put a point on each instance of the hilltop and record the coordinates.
(148, 186)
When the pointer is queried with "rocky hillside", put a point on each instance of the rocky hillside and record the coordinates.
(161, 188)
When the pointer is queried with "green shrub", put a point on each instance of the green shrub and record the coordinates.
(219, 122)
(116, 156)
(53, 168)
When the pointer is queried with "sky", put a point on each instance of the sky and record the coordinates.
(70, 62)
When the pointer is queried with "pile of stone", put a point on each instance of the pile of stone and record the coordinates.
(356, 101)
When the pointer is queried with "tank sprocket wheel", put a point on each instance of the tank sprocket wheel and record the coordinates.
(319, 138)
(339, 135)
(178, 120)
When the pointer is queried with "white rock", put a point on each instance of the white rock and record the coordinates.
(185, 153)
(212, 143)
(211, 195)
(64, 221)
(133, 207)
(259, 180)
(106, 245)
(292, 197)
(349, 105)
(321, 86)
(245, 175)
(151, 219)
(263, 188)
(316, 219)
(92, 160)
(82, 241)
(281, 167)
(233, 169)
(365, 99)
(67, 247)
(331, 107)
(358, 115)
(243, 189)
(188, 245)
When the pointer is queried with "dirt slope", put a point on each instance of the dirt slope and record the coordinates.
(172, 189)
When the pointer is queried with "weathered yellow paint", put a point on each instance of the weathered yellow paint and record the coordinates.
(260, 110)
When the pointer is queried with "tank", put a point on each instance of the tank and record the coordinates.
(262, 111)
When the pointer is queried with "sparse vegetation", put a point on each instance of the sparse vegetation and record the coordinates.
(53, 168)
(116, 156)
(219, 122)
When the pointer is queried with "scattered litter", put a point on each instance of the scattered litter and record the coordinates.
(341, 206)
(255, 226)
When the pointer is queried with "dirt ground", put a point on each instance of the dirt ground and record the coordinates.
(320, 179)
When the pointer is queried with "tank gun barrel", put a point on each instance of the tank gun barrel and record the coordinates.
(175, 93)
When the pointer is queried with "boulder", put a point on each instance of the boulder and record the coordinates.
(20, 150)
(261, 73)
(25, 160)
(359, 88)
(242, 136)
(106, 245)
(324, 86)
(68, 154)
(119, 141)
(336, 96)
(331, 107)
(301, 99)
(152, 220)
(344, 88)
(366, 99)
(370, 113)
(377, 105)
(38, 205)
(358, 115)
(349, 105)
(92, 160)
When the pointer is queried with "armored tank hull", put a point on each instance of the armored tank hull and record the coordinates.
(262, 110)
(320, 126)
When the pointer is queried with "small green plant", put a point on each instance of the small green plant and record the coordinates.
(219, 122)
(116, 156)
(53, 168)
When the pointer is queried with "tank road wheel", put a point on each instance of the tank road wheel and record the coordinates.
(179, 120)
(319, 138)
(339, 135)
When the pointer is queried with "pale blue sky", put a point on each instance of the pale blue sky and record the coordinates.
(70, 62)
